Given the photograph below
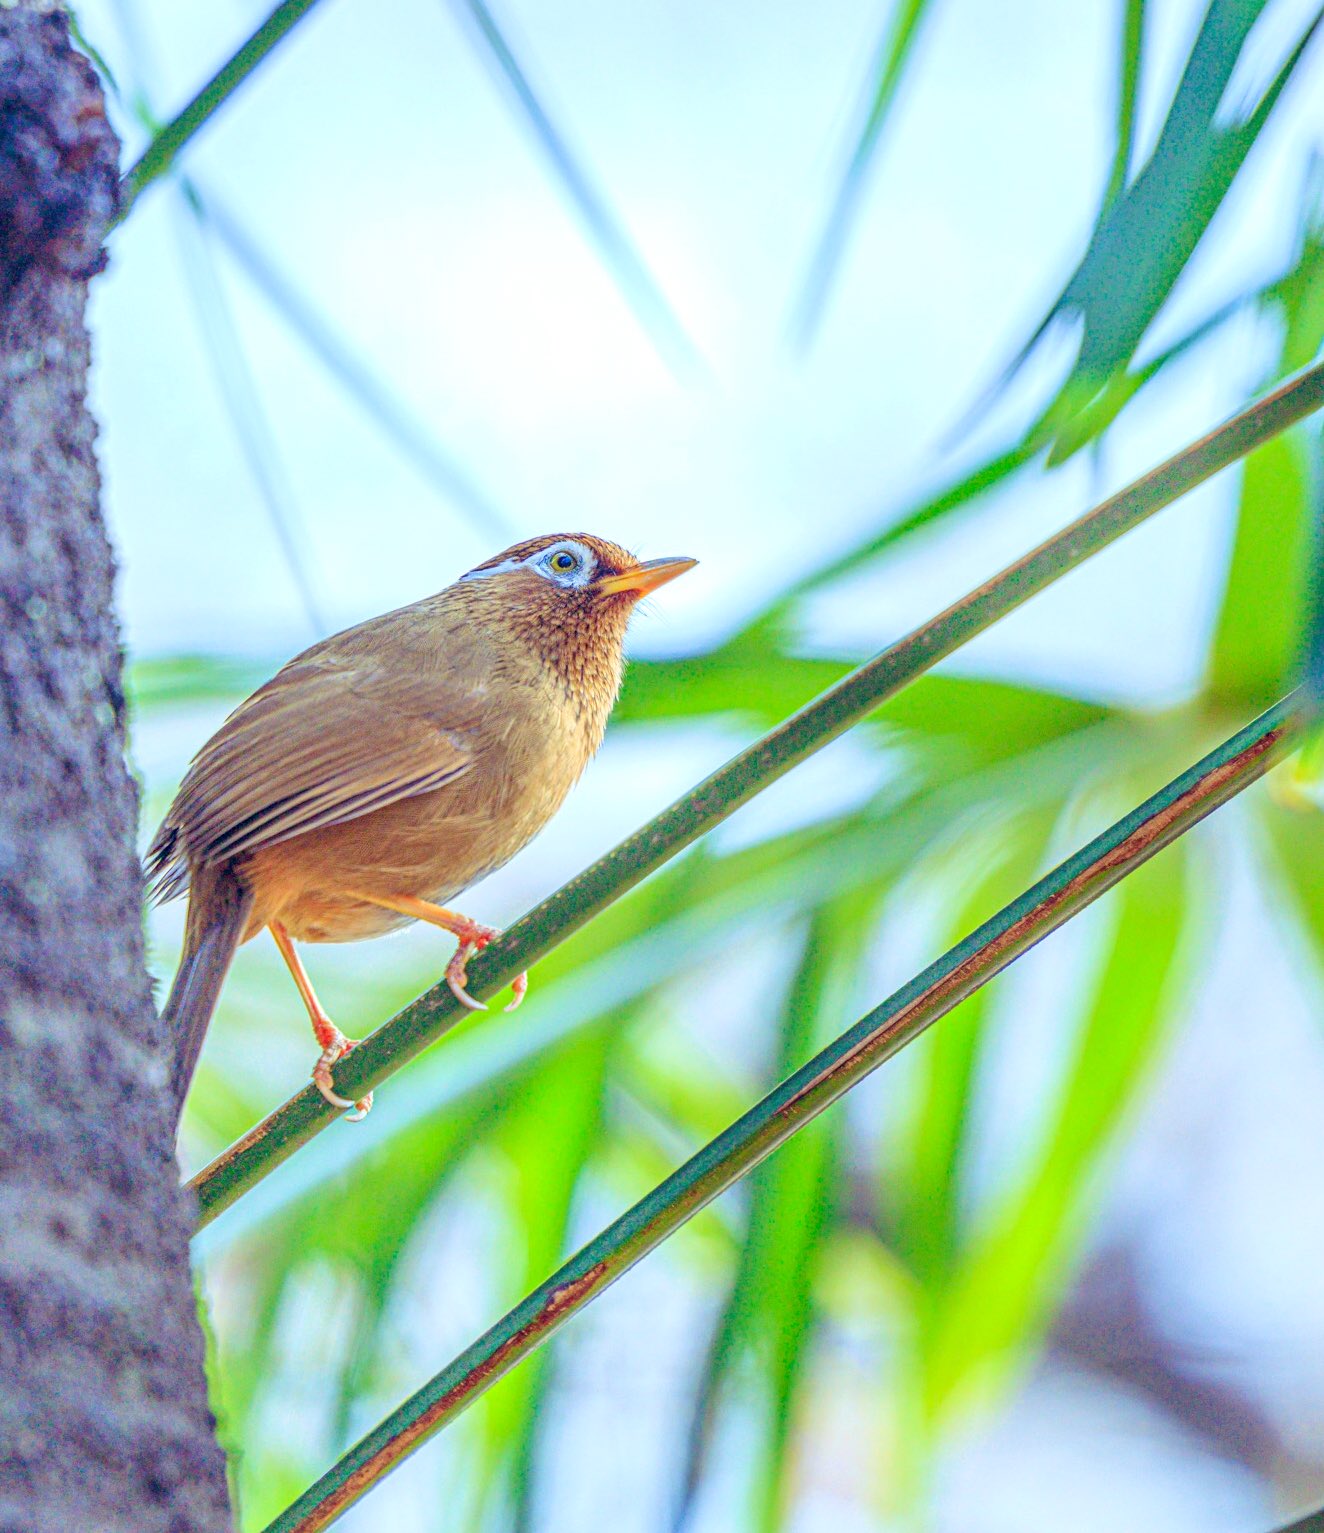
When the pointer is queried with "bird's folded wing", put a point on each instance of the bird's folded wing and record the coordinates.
(316, 746)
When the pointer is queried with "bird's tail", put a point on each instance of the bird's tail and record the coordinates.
(219, 905)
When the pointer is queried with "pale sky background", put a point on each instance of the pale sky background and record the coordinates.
(391, 179)
(389, 176)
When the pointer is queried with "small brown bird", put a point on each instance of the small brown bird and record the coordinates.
(389, 767)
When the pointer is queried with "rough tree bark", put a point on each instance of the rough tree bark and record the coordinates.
(104, 1423)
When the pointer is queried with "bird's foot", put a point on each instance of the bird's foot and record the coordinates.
(335, 1046)
(473, 939)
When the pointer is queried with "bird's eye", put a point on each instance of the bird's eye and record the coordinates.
(563, 561)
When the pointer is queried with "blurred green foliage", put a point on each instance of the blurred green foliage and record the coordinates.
(606, 1080)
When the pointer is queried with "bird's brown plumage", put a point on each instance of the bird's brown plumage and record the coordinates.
(407, 756)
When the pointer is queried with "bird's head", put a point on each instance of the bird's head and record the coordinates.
(568, 596)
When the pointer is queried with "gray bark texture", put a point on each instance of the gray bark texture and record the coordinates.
(104, 1423)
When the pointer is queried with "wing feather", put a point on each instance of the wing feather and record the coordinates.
(320, 744)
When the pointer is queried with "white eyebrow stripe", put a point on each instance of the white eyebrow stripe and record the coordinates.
(493, 569)
(537, 562)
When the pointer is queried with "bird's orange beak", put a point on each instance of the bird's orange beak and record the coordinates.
(644, 577)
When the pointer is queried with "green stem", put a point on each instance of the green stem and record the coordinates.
(1050, 903)
(827, 716)
(166, 143)
(605, 229)
(1128, 93)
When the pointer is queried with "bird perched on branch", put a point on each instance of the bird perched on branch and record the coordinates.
(386, 769)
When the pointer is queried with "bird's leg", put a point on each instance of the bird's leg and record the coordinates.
(473, 938)
(333, 1042)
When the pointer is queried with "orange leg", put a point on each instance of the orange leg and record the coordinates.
(333, 1042)
(473, 939)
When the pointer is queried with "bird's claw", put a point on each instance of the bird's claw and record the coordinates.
(336, 1049)
(474, 939)
(456, 975)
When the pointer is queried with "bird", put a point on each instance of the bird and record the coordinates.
(387, 768)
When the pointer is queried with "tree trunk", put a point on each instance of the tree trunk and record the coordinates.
(104, 1424)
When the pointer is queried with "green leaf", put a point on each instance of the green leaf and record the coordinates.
(604, 227)
(1131, 41)
(546, 1138)
(439, 465)
(1298, 294)
(243, 404)
(1296, 842)
(1005, 1282)
(360, 1242)
(1256, 640)
(171, 681)
(889, 67)
(988, 720)
(1145, 236)
(924, 1193)
(1086, 427)
(767, 1320)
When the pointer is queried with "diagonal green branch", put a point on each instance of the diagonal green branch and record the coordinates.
(166, 143)
(1016, 928)
(713, 800)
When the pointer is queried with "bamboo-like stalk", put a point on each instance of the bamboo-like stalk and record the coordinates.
(171, 137)
(830, 714)
(1050, 903)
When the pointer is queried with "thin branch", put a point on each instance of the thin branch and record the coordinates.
(900, 1019)
(160, 153)
(825, 718)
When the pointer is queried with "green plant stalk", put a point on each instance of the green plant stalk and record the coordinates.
(605, 229)
(900, 1019)
(830, 714)
(166, 143)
